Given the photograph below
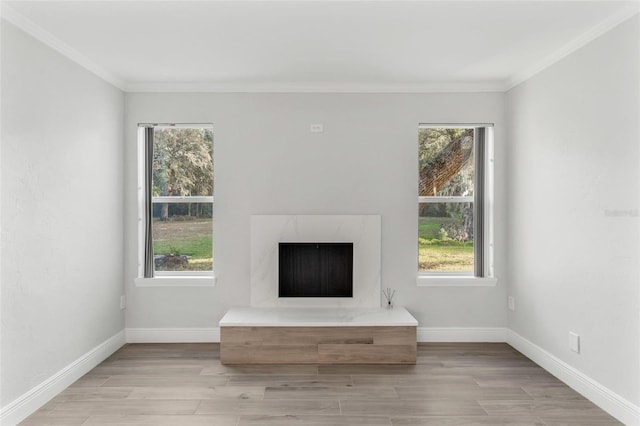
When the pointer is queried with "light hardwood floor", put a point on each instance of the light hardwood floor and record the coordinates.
(452, 384)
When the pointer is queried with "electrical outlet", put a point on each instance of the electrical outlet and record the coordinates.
(511, 303)
(574, 342)
(123, 302)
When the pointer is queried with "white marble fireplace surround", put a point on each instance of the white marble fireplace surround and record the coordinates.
(361, 230)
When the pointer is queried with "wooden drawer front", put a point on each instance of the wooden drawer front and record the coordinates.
(318, 345)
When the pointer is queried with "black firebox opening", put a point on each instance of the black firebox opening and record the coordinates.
(315, 270)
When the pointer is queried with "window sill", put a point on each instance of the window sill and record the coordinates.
(454, 281)
(202, 281)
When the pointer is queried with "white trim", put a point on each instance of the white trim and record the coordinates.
(453, 125)
(184, 274)
(141, 199)
(445, 199)
(28, 403)
(573, 45)
(619, 407)
(462, 334)
(176, 281)
(434, 280)
(176, 199)
(172, 335)
(208, 335)
(40, 34)
(208, 126)
(489, 203)
(310, 87)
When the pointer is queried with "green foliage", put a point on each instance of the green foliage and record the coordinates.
(184, 211)
(172, 250)
(183, 162)
(428, 227)
(461, 226)
(433, 140)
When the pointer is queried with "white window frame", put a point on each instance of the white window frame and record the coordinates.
(166, 278)
(468, 279)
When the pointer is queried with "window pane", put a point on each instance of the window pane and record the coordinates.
(445, 237)
(182, 236)
(182, 162)
(446, 162)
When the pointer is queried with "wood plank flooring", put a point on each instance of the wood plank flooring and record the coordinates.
(452, 384)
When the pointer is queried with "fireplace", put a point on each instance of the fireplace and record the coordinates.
(361, 232)
(315, 269)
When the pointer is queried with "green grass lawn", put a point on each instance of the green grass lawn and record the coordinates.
(435, 255)
(191, 237)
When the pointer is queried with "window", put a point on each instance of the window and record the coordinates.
(454, 217)
(176, 200)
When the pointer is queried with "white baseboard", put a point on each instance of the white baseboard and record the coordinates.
(207, 335)
(172, 335)
(27, 404)
(462, 334)
(619, 407)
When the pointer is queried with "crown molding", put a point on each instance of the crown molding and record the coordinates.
(573, 45)
(39, 33)
(304, 87)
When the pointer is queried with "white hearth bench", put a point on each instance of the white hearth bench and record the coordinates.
(318, 336)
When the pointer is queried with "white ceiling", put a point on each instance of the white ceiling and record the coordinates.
(316, 45)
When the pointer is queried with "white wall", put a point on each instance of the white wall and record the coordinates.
(62, 225)
(267, 162)
(574, 162)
